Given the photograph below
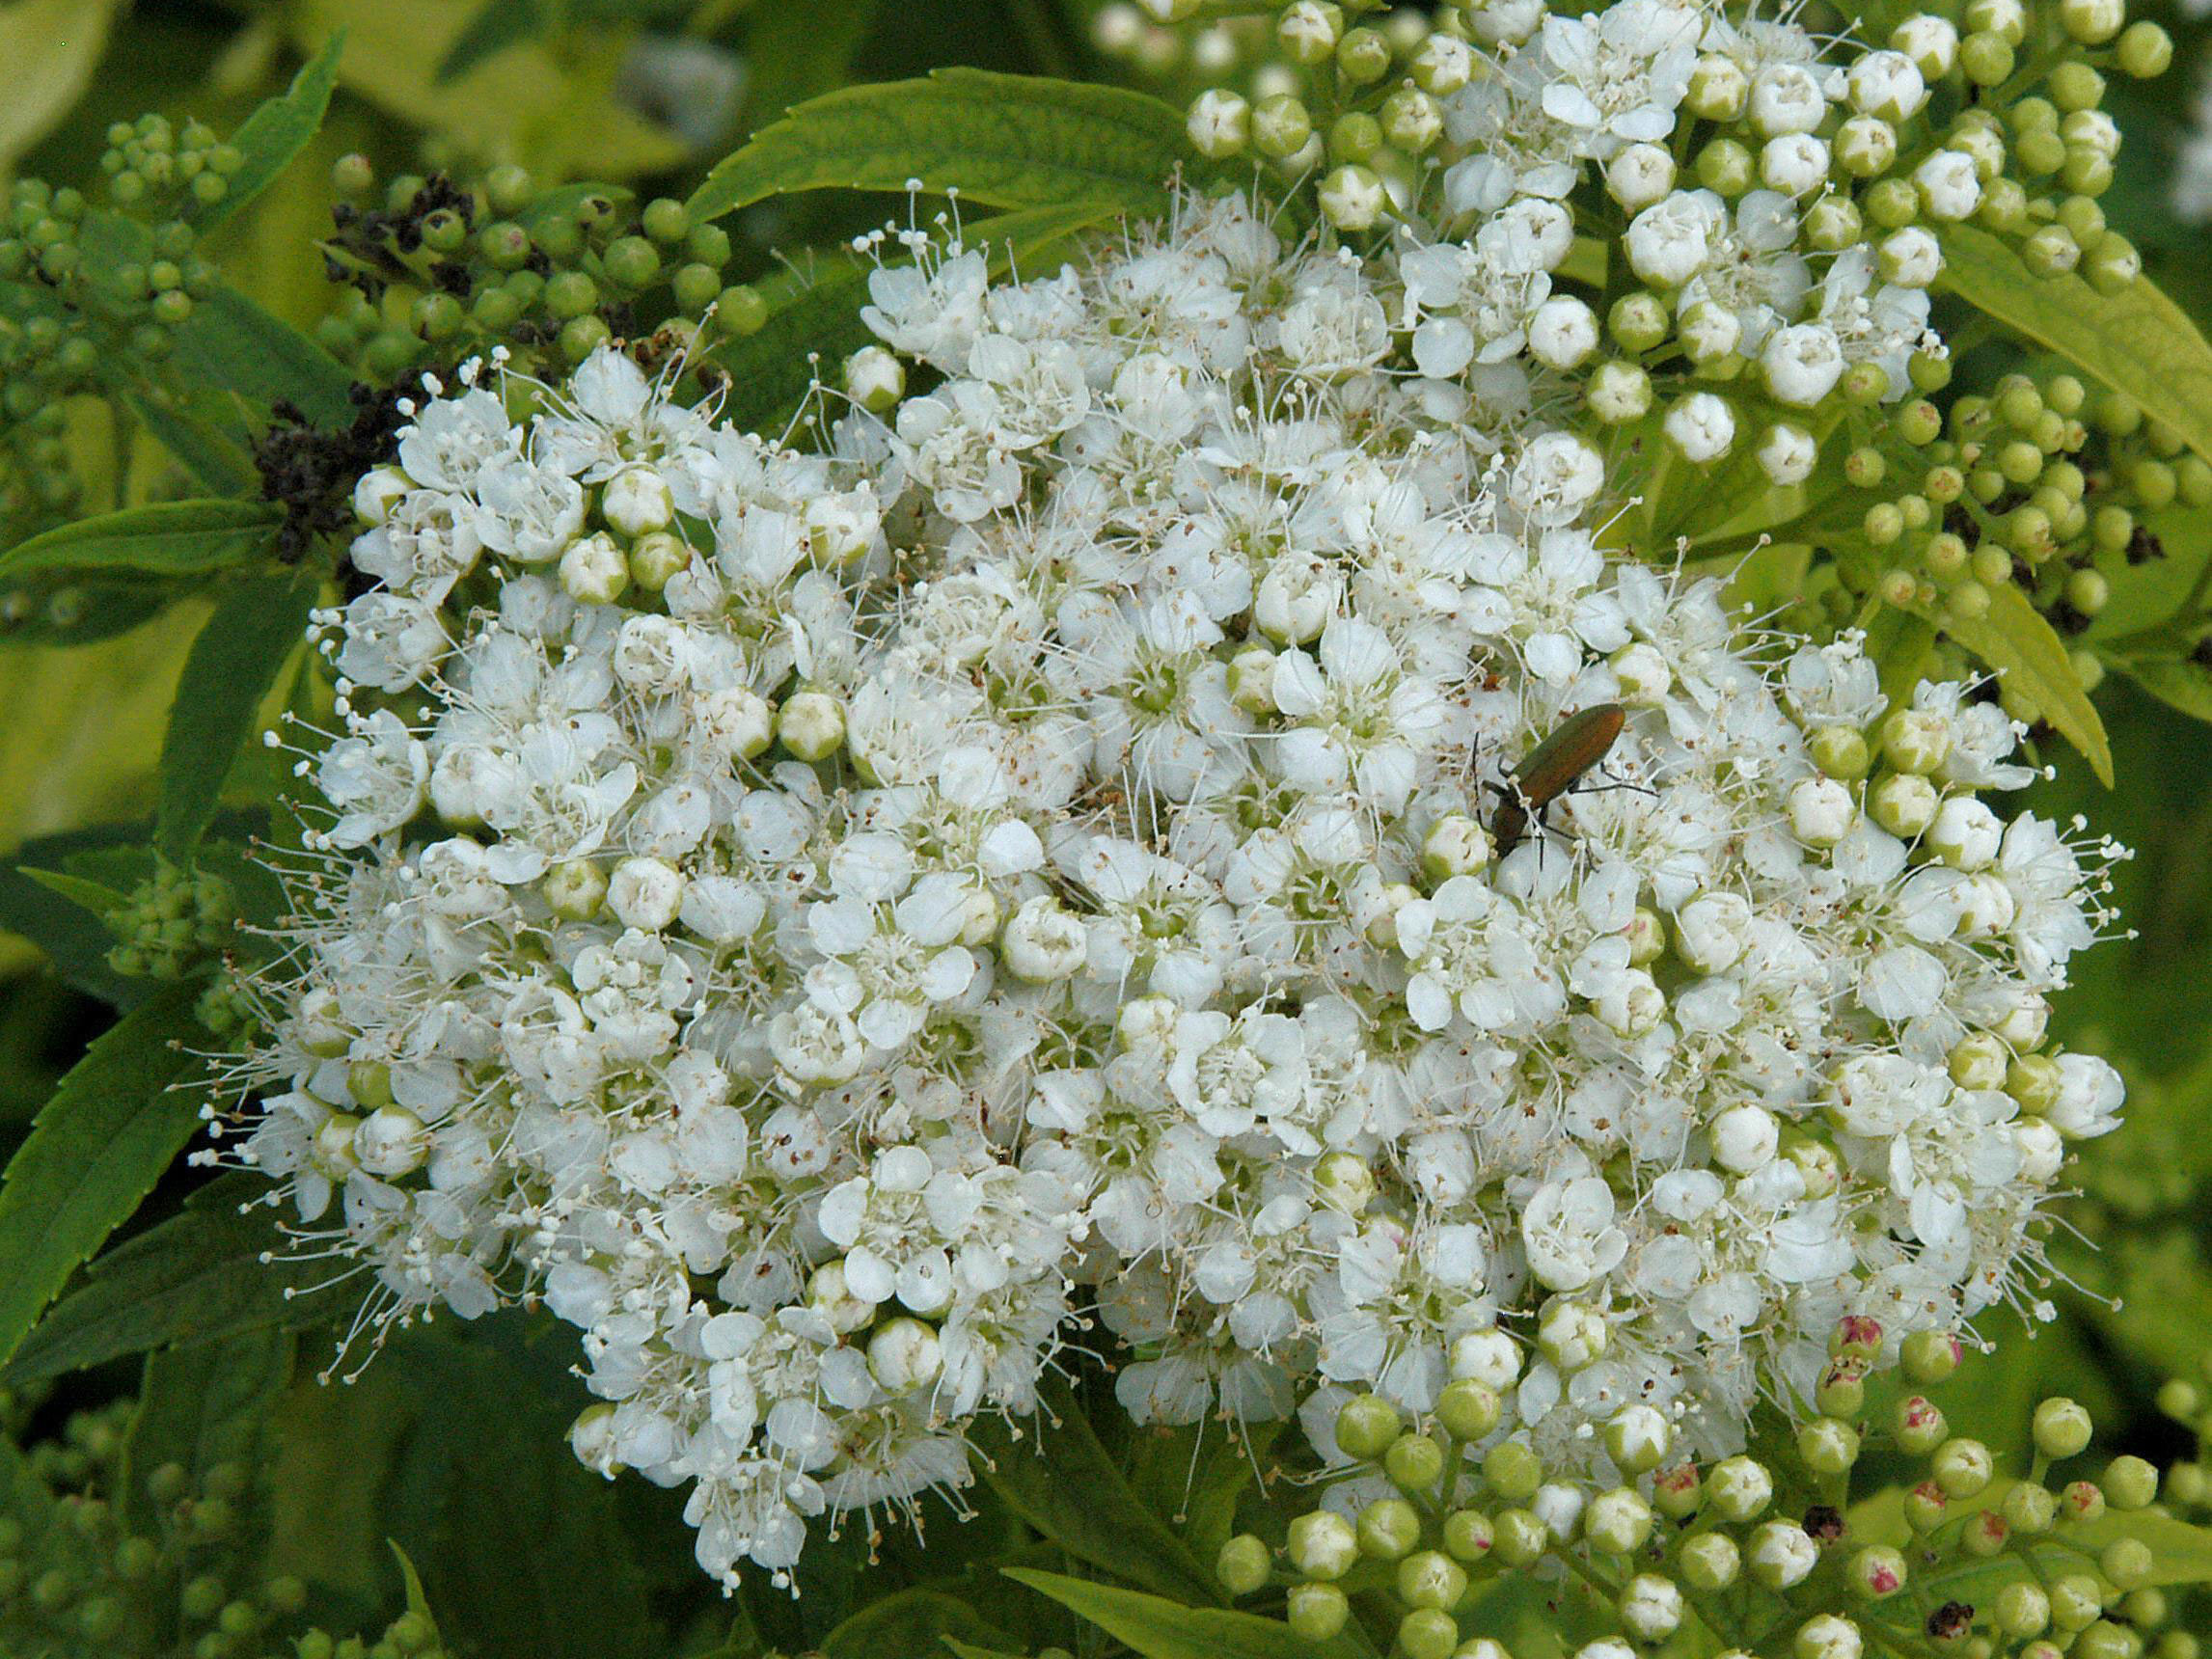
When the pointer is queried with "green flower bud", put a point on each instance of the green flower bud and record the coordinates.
(1316, 1611)
(2076, 1602)
(2131, 1483)
(2029, 1508)
(1619, 392)
(1833, 224)
(2035, 1081)
(1711, 1561)
(1468, 1409)
(1351, 198)
(1782, 1555)
(1514, 1471)
(1571, 1336)
(1718, 90)
(2062, 1427)
(2022, 1611)
(1905, 803)
(1828, 1636)
(2081, 1501)
(1638, 321)
(1985, 1535)
(1828, 1445)
(1914, 741)
(811, 726)
(1926, 1506)
(1519, 1538)
(2093, 22)
(1920, 1426)
(1727, 168)
(1322, 1544)
(740, 310)
(2105, 1639)
(1468, 1535)
(1428, 1578)
(1363, 55)
(580, 337)
(1739, 1489)
(1638, 1440)
(1412, 120)
(1219, 125)
(1841, 1389)
(1367, 1426)
(1415, 1463)
(1876, 1573)
(1962, 1468)
(1651, 1607)
(1243, 1565)
(1618, 1522)
(2128, 1562)
(1282, 126)
(1945, 558)
(1388, 1527)
(1428, 1633)
(2051, 251)
(1987, 59)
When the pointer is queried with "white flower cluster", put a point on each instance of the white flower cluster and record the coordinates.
(828, 923)
(1601, 97)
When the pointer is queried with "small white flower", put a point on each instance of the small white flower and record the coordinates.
(1701, 427)
(1803, 362)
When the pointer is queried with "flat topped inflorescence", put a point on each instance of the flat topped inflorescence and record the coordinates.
(828, 924)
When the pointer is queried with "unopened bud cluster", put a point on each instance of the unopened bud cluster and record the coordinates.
(169, 923)
(439, 267)
(1427, 1520)
(1743, 294)
(2037, 485)
(71, 318)
(93, 1570)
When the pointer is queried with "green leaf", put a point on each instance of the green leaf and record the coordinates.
(519, 1544)
(210, 456)
(1194, 1477)
(418, 1603)
(274, 134)
(2136, 340)
(1005, 141)
(912, 1622)
(197, 1277)
(231, 342)
(170, 538)
(2180, 681)
(497, 25)
(75, 938)
(97, 897)
(203, 1406)
(2027, 653)
(1162, 1630)
(257, 628)
(814, 316)
(51, 48)
(1061, 1482)
(97, 1149)
(968, 1650)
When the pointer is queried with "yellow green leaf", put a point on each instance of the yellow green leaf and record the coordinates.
(1005, 141)
(51, 48)
(553, 114)
(2136, 340)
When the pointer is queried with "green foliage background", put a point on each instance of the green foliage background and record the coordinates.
(451, 1444)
